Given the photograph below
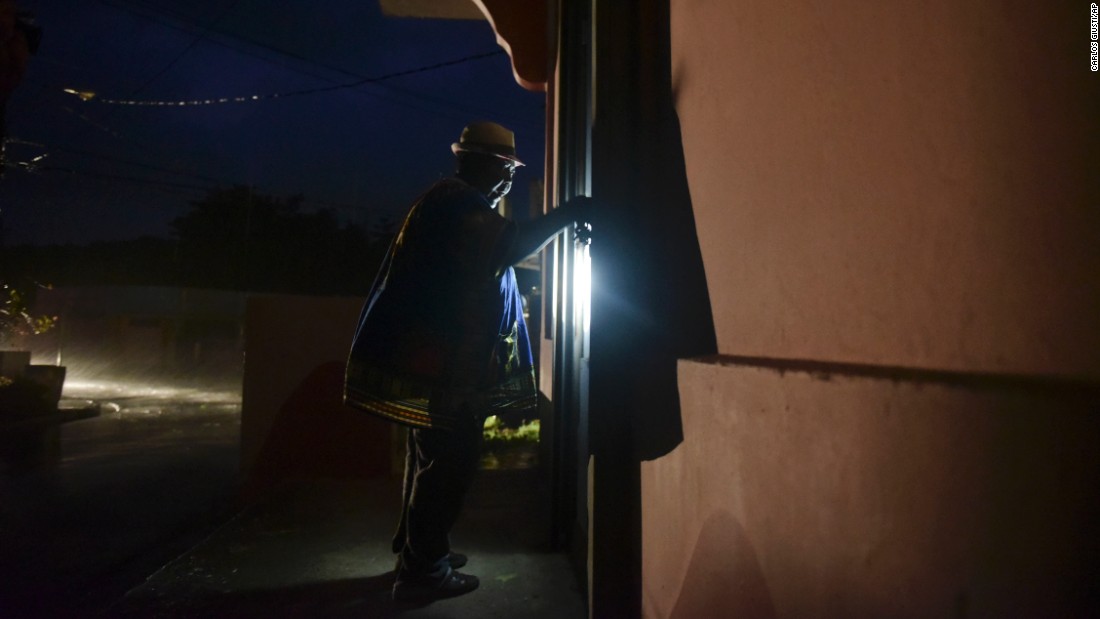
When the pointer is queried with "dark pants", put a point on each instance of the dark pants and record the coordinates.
(439, 466)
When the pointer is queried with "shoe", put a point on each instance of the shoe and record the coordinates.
(410, 587)
(456, 559)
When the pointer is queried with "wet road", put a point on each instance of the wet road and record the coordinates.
(154, 474)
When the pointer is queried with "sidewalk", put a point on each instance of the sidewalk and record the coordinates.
(321, 549)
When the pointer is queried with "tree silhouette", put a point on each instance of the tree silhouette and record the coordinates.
(232, 239)
(241, 240)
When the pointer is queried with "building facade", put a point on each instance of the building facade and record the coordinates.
(840, 355)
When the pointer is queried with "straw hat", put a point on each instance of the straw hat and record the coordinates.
(487, 138)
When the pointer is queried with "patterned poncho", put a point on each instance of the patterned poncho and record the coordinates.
(444, 317)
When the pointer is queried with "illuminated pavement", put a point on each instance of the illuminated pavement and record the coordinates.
(148, 491)
(137, 486)
(321, 549)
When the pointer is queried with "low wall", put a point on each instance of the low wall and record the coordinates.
(293, 422)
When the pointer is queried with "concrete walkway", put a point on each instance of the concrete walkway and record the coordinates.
(320, 548)
(142, 518)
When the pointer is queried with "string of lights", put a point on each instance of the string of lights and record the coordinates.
(87, 95)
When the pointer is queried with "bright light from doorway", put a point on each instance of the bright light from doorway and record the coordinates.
(582, 286)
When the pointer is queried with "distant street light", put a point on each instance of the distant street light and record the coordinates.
(85, 95)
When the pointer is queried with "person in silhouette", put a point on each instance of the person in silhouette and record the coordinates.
(442, 343)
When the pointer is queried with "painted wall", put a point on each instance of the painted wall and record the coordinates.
(794, 496)
(906, 184)
(293, 421)
(147, 332)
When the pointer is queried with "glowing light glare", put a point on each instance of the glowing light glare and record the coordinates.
(121, 389)
(85, 95)
(582, 287)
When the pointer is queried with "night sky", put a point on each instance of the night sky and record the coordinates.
(101, 171)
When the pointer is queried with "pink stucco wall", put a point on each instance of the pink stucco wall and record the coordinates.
(907, 184)
(793, 496)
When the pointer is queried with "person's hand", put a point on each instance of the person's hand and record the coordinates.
(580, 208)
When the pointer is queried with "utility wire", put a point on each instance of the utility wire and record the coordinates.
(34, 166)
(434, 104)
(138, 164)
(200, 36)
(107, 176)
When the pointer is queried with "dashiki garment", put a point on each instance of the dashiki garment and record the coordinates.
(444, 318)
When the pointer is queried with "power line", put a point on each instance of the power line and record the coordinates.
(195, 41)
(139, 164)
(433, 104)
(34, 166)
(28, 166)
(234, 48)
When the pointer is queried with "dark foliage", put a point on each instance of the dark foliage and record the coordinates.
(234, 239)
